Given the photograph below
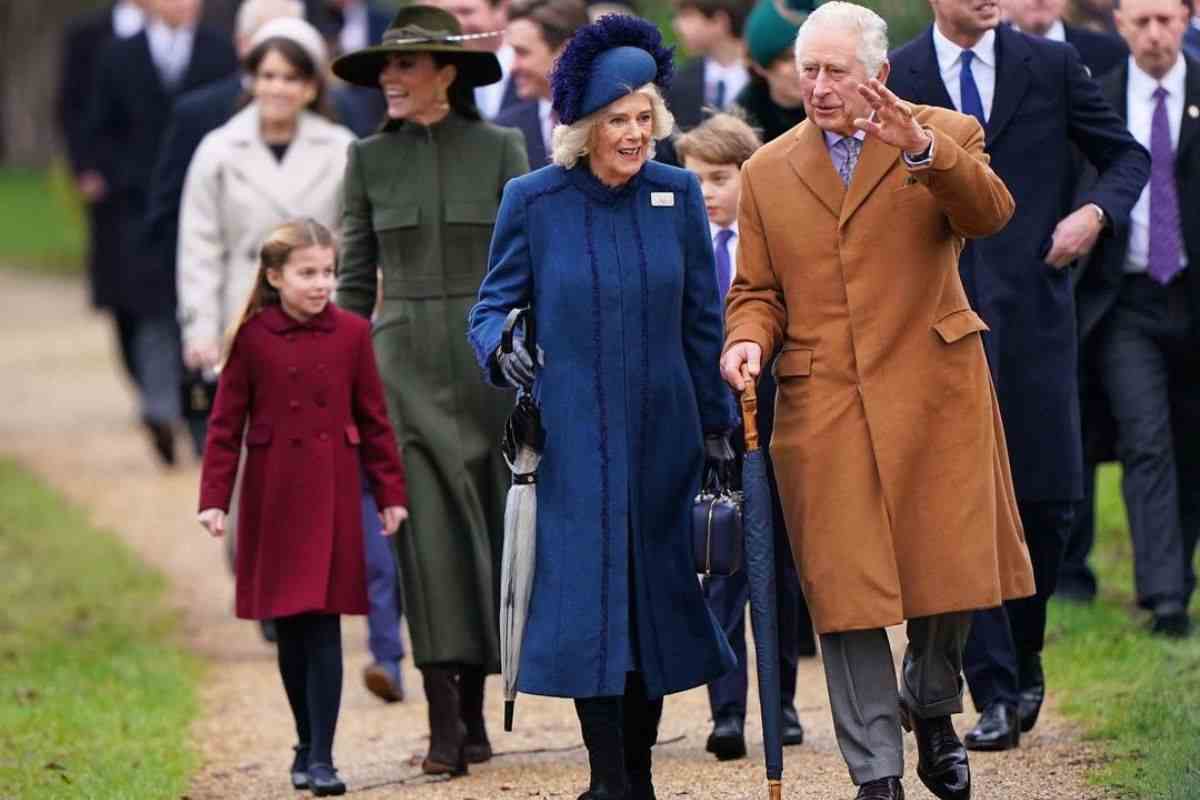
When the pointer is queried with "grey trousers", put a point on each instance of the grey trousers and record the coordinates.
(864, 696)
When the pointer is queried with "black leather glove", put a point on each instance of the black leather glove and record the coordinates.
(517, 366)
(718, 456)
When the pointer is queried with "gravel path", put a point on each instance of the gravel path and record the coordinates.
(70, 418)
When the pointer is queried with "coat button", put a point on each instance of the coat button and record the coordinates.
(295, 441)
(294, 405)
(324, 437)
(293, 371)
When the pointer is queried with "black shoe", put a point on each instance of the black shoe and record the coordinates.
(299, 771)
(997, 729)
(324, 781)
(1075, 591)
(266, 627)
(727, 741)
(882, 789)
(942, 763)
(162, 436)
(1171, 620)
(1032, 682)
(793, 731)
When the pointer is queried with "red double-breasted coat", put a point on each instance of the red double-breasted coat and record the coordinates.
(310, 403)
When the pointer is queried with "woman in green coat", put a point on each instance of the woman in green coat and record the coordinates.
(420, 201)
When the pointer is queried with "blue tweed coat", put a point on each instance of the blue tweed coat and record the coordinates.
(624, 293)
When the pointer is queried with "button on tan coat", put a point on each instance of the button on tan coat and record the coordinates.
(888, 444)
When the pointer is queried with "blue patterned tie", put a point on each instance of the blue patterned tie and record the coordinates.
(1164, 199)
(971, 102)
(724, 263)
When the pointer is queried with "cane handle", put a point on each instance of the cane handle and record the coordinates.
(749, 410)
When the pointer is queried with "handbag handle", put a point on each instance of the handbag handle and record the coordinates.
(749, 402)
(515, 318)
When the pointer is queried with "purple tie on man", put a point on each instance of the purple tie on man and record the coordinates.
(1164, 201)
(724, 263)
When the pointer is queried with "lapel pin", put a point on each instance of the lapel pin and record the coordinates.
(662, 199)
(1193, 112)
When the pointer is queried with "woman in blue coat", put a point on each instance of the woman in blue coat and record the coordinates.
(612, 252)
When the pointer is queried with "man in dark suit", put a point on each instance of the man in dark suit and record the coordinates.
(137, 80)
(1036, 101)
(479, 18)
(537, 32)
(1139, 312)
(712, 31)
(85, 38)
(1099, 52)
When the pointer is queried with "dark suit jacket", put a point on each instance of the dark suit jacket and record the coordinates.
(131, 109)
(686, 97)
(83, 41)
(1100, 52)
(1045, 102)
(359, 108)
(524, 117)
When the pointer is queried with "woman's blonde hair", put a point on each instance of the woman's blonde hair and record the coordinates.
(570, 143)
(275, 251)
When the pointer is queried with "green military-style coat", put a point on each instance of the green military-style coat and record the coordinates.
(420, 203)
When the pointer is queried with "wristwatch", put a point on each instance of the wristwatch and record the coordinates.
(1100, 215)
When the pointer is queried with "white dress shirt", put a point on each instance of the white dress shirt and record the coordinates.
(732, 245)
(983, 68)
(735, 77)
(127, 19)
(489, 98)
(546, 123)
(356, 28)
(1139, 100)
(171, 49)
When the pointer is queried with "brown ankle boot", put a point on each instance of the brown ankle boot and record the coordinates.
(447, 733)
(478, 748)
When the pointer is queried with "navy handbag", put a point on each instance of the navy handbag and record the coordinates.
(717, 527)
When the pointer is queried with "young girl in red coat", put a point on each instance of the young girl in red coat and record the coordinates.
(300, 381)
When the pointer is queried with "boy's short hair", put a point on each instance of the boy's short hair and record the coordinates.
(737, 10)
(556, 19)
(721, 139)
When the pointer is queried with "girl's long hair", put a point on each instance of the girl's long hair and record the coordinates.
(276, 249)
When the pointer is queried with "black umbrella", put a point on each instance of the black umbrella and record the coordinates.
(759, 546)
(524, 441)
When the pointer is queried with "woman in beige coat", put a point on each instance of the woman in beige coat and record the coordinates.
(276, 159)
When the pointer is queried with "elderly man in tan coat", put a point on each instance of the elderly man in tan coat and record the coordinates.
(888, 445)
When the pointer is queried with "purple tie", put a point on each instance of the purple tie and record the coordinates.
(1164, 201)
(724, 264)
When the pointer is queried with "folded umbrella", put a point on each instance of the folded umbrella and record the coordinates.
(759, 556)
(523, 444)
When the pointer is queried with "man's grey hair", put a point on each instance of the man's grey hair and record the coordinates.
(865, 23)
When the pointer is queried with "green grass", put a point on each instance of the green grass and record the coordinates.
(1137, 696)
(96, 693)
(42, 228)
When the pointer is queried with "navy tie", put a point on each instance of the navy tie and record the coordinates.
(724, 263)
(719, 95)
(971, 102)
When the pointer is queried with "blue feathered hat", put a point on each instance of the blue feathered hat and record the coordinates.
(605, 61)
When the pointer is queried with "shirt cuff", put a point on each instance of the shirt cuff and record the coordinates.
(924, 159)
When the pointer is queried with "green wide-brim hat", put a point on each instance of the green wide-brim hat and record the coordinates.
(420, 29)
(772, 26)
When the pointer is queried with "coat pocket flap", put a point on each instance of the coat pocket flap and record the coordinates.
(352, 436)
(471, 213)
(396, 217)
(958, 324)
(793, 364)
(258, 434)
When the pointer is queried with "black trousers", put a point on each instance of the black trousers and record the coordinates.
(310, 662)
(1004, 637)
(1150, 369)
(1075, 576)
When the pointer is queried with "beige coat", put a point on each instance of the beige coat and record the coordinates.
(888, 444)
(236, 192)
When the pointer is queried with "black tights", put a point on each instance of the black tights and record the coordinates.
(310, 663)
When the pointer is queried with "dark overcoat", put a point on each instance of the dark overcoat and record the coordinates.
(309, 399)
(1045, 103)
(624, 294)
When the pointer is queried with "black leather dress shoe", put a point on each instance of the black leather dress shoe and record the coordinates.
(942, 763)
(727, 741)
(324, 781)
(1032, 682)
(793, 731)
(299, 770)
(997, 729)
(1172, 624)
(882, 789)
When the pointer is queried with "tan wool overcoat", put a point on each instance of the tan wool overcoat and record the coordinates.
(888, 446)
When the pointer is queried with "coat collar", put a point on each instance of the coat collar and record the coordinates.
(277, 321)
(305, 164)
(809, 158)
